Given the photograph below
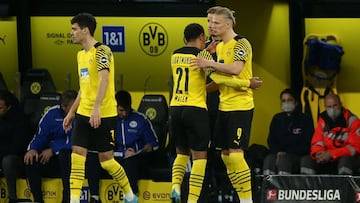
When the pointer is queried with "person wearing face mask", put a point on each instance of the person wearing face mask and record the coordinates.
(335, 145)
(289, 137)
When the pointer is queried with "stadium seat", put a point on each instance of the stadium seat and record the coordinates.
(3, 85)
(156, 109)
(35, 82)
(34, 108)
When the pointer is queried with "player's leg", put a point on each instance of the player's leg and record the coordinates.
(199, 136)
(105, 143)
(182, 153)
(80, 137)
(239, 125)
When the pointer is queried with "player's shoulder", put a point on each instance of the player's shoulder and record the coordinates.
(102, 47)
(187, 50)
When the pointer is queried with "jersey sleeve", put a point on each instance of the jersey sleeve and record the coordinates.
(103, 57)
(242, 50)
(229, 80)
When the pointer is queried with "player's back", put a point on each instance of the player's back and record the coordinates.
(189, 87)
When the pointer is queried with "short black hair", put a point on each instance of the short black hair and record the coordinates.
(123, 99)
(291, 92)
(9, 98)
(67, 97)
(193, 31)
(85, 20)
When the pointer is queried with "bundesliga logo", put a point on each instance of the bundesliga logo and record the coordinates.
(310, 195)
(271, 195)
(357, 197)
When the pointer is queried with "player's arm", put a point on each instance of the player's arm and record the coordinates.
(229, 80)
(71, 114)
(211, 87)
(235, 82)
(103, 57)
(95, 118)
(242, 51)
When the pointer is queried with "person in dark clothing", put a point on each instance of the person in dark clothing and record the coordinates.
(13, 140)
(289, 137)
(49, 151)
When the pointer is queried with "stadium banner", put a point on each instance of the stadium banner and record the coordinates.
(308, 189)
(154, 192)
(9, 51)
(142, 48)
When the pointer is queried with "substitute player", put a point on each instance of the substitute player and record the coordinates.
(95, 108)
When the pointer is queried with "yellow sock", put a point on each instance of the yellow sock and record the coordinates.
(178, 171)
(77, 175)
(118, 174)
(228, 164)
(196, 179)
(241, 179)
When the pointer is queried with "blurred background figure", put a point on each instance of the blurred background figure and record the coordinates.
(289, 137)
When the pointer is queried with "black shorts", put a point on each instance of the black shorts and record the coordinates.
(189, 127)
(232, 129)
(99, 139)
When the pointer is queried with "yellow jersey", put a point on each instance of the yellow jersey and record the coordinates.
(236, 99)
(98, 58)
(189, 87)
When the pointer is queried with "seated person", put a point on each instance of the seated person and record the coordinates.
(50, 149)
(135, 138)
(335, 145)
(13, 139)
(289, 137)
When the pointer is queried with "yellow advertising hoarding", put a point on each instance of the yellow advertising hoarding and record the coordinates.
(8, 51)
(142, 48)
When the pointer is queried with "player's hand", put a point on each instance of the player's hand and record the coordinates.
(129, 152)
(95, 118)
(212, 47)
(255, 83)
(29, 157)
(45, 156)
(67, 121)
(199, 62)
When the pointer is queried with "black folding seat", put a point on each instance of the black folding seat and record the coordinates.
(155, 107)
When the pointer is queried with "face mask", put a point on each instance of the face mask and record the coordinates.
(288, 106)
(333, 113)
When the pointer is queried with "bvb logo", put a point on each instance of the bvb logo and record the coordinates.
(3, 192)
(146, 195)
(113, 193)
(35, 88)
(153, 39)
(46, 109)
(151, 113)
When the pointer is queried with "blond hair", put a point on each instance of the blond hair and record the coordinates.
(229, 14)
(213, 9)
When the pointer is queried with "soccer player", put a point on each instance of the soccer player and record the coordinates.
(236, 107)
(94, 109)
(189, 118)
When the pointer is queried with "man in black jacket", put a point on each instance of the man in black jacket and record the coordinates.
(13, 139)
